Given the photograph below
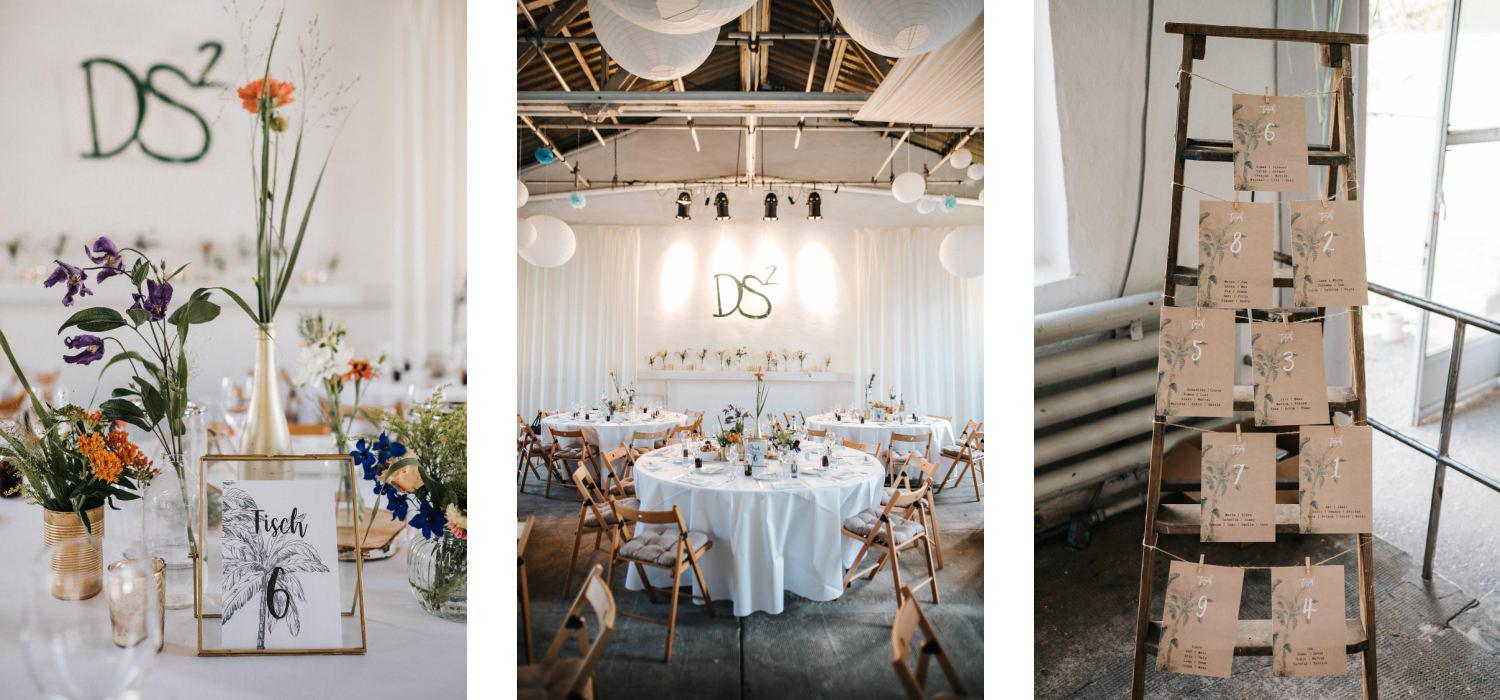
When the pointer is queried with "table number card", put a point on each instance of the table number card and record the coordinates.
(1287, 362)
(280, 579)
(1239, 488)
(1335, 479)
(1328, 254)
(1195, 362)
(1199, 619)
(1236, 249)
(1307, 621)
(1270, 143)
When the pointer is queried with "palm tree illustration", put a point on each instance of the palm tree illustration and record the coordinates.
(254, 561)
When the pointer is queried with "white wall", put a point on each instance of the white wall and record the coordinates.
(369, 214)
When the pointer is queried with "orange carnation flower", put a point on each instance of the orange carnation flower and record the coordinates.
(254, 91)
(359, 369)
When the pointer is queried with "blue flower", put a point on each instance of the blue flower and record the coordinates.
(395, 502)
(429, 520)
(364, 458)
(388, 448)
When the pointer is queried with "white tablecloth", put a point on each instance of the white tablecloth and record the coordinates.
(879, 432)
(608, 435)
(766, 540)
(397, 629)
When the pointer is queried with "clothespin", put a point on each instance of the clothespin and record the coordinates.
(1286, 323)
(1236, 200)
(1200, 563)
(1267, 96)
(1335, 422)
(1197, 312)
(1239, 435)
(1307, 565)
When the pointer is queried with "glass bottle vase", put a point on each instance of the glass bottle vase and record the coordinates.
(266, 431)
(169, 509)
(437, 570)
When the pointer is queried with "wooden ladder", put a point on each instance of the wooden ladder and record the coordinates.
(1253, 637)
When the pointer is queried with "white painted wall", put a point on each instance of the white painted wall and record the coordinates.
(370, 214)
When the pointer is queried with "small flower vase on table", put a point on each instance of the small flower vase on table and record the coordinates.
(437, 569)
(77, 569)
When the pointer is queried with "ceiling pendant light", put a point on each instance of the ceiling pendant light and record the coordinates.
(961, 158)
(684, 206)
(650, 54)
(900, 28)
(949, 203)
(679, 16)
(770, 207)
(908, 187)
(976, 171)
(814, 206)
(721, 207)
(926, 205)
(522, 194)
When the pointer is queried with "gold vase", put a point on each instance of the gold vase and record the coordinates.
(266, 430)
(78, 561)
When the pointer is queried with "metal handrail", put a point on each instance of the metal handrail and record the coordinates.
(1441, 459)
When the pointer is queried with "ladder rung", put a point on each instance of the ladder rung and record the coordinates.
(1340, 398)
(1253, 637)
(1288, 483)
(1185, 518)
(1220, 151)
(1188, 276)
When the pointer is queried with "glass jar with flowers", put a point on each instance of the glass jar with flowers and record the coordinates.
(731, 432)
(426, 466)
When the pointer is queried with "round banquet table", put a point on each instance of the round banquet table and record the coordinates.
(608, 435)
(769, 536)
(879, 433)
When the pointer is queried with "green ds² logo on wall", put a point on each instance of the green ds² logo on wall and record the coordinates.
(751, 285)
(149, 88)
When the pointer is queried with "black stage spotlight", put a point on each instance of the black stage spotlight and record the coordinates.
(814, 206)
(770, 206)
(721, 207)
(684, 206)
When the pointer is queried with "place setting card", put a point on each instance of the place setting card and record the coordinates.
(1328, 253)
(1270, 143)
(1239, 488)
(1236, 254)
(1335, 479)
(1195, 362)
(1287, 362)
(1199, 619)
(1307, 621)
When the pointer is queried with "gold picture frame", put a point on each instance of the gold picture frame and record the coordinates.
(357, 600)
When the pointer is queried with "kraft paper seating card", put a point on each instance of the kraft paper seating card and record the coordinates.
(1239, 488)
(1287, 364)
(1328, 254)
(1199, 619)
(280, 580)
(1195, 362)
(1307, 621)
(1270, 143)
(1236, 250)
(1335, 479)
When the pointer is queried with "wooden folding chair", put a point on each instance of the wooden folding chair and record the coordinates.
(681, 433)
(901, 446)
(697, 425)
(872, 450)
(573, 677)
(815, 433)
(903, 633)
(521, 592)
(926, 469)
(612, 465)
(963, 436)
(893, 529)
(670, 546)
(949, 419)
(641, 442)
(567, 446)
(599, 515)
(528, 451)
(968, 460)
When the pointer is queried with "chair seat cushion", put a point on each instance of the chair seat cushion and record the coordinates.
(885, 496)
(659, 546)
(628, 485)
(608, 511)
(546, 678)
(868, 520)
(567, 452)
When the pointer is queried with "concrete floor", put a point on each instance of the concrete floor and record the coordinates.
(835, 649)
(1435, 640)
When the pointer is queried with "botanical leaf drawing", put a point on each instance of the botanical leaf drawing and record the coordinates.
(1212, 245)
(263, 567)
(1176, 614)
(1248, 133)
(1218, 478)
(1286, 609)
(1307, 245)
(1266, 360)
(1314, 472)
(1177, 348)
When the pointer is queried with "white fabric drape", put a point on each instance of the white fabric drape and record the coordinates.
(577, 322)
(918, 327)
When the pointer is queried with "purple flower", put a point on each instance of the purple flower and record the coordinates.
(107, 256)
(73, 276)
(158, 296)
(92, 347)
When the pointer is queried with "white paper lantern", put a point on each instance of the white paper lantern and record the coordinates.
(899, 28)
(962, 251)
(525, 234)
(976, 171)
(908, 187)
(522, 194)
(961, 158)
(554, 244)
(650, 55)
(677, 16)
(926, 206)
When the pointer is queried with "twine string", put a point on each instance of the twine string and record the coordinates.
(1336, 555)
(1337, 86)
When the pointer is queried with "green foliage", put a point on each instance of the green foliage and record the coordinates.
(437, 434)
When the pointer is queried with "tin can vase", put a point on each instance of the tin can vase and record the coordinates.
(78, 565)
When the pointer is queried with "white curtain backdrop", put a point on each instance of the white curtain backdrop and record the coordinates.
(577, 322)
(918, 327)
